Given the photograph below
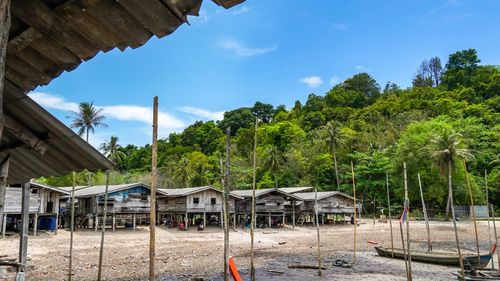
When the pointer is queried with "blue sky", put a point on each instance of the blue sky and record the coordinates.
(274, 51)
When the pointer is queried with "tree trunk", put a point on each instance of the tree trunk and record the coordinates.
(336, 168)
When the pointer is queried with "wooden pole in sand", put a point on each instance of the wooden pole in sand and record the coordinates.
(473, 211)
(495, 232)
(390, 216)
(152, 208)
(101, 251)
(424, 210)
(317, 228)
(72, 227)
(226, 203)
(252, 223)
(407, 208)
(489, 218)
(450, 192)
(355, 210)
(403, 243)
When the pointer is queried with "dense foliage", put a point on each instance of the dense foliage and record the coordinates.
(377, 129)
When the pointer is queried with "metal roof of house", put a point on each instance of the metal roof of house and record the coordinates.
(246, 193)
(292, 190)
(179, 192)
(90, 191)
(52, 188)
(48, 37)
(310, 196)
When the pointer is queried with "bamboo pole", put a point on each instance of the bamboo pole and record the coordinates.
(403, 245)
(252, 224)
(317, 229)
(72, 227)
(355, 210)
(471, 197)
(101, 251)
(226, 203)
(495, 232)
(152, 208)
(424, 210)
(390, 216)
(450, 192)
(407, 208)
(489, 217)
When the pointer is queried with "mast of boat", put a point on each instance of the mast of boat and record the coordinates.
(407, 210)
(473, 211)
(489, 218)
(355, 210)
(424, 210)
(390, 217)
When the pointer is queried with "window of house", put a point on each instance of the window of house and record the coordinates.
(213, 200)
(196, 200)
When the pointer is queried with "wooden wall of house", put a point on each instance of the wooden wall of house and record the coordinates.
(186, 203)
(332, 204)
(49, 201)
(177, 204)
(132, 200)
(271, 202)
(13, 200)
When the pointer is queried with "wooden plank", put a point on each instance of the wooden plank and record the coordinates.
(25, 135)
(23, 40)
(26, 69)
(119, 21)
(18, 79)
(153, 15)
(39, 61)
(60, 56)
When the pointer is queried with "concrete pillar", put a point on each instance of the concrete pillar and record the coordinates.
(25, 207)
(270, 220)
(96, 222)
(187, 221)
(4, 225)
(57, 212)
(284, 216)
(293, 213)
(205, 219)
(323, 219)
(133, 222)
(221, 218)
(35, 224)
(114, 222)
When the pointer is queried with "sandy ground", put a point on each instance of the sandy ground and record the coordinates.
(187, 255)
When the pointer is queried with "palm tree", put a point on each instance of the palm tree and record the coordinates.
(273, 161)
(87, 119)
(183, 171)
(444, 148)
(335, 139)
(112, 150)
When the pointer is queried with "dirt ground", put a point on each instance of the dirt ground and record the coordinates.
(191, 254)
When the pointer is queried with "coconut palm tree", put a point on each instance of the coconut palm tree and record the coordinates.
(112, 150)
(444, 148)
(272, 161)
(87, 119)
(335, 139)
(183, 171)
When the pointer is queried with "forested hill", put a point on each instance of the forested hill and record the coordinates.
(455, 107)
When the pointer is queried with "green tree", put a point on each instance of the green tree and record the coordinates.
(183, 172)
(111, 149)
(335, 139)
(87, 119)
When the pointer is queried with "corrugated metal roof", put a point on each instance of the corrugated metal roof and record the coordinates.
(90, 191)
(177, 192)
(291, 190)
(247, 193)
(310, 196)
(52, 188)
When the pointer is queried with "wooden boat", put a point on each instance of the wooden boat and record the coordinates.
(438, 257)
(479, 275)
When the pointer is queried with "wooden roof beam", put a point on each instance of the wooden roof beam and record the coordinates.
(25, 135)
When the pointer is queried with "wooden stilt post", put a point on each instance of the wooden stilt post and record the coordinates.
(355, 210)
(58, 206)
(316, 207)
(152, 210)
(226, 203)
(134, 225)
(270, 220)
(23, 244)
(424, 210)
(4, 172)
(35, 223)
(473, 211)
(390, 216)
(407, 208)
(114, 222)
(454, 219)
(293, 212)
(489, 217)
(4, 217)
(72, 228)
(101, 251)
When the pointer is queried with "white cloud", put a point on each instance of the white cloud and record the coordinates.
(240, 50)
(166, 122)
(240, 11)
(311, 81)
(362, 68)
(340, 26)
(334, 80)
(206, 114)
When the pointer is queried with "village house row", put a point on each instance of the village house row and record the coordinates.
(128, 206)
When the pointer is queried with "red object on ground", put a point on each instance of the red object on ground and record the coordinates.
(372, 242)
(234, 270)
(494, 249)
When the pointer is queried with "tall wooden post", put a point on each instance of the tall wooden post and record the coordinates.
(489, 217)
(5, 18)
(424, 210)
(101, 252)
(72, 228)
(293, 213)
(226, 202)
(473, 211)
(407, 208)
(252, 223)
(152, 213)
(355, 209)
(317, 229)
(23, 245)
(390, 216)
(450, 192)
(4, 172)
(495, 232)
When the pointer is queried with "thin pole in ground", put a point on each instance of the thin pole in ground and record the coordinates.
(473, 211)
(424, 210)
(495, 232)
(72, 227)
(317, 228)
(489, 215)
(152, 208)
(252, 223)
(355, 210)
(226, 203)
(407, 211)
(101, 251)
(450, 192)
(390, 216)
